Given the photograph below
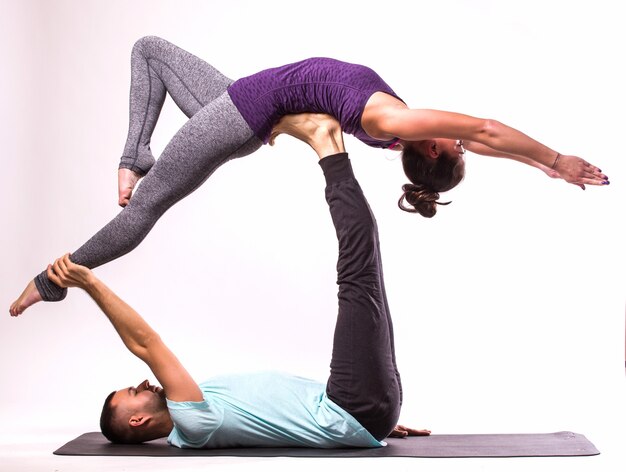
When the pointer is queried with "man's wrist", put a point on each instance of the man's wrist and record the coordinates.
(91, 284)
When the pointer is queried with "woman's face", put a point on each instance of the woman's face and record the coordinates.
(454, 147)
(434, 147)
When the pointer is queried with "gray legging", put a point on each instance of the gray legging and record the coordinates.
(214, 134)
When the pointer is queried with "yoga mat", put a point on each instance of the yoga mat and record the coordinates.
(563, 443)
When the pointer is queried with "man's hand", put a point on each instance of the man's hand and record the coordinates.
(65, 273)
(402, 432)
(135, 332)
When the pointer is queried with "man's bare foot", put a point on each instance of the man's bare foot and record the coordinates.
(320, 131)
(29, 297)
(126, 181)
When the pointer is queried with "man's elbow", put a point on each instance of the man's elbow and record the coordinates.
(145, 342)
(151, 340)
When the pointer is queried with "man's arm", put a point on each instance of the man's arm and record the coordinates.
(137, 335)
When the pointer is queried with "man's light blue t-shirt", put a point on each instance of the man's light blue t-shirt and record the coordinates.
(267, 409)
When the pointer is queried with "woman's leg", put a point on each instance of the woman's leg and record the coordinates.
(364, 379)
(214, 135)
(201, 146)
(157, 67)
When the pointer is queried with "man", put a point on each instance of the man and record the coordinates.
(357, 407)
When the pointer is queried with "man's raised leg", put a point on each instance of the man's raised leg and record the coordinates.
(364, 379)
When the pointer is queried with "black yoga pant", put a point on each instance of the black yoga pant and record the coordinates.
(364, 379)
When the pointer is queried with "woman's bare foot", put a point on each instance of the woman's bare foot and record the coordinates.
(126, 181)
(29, 297)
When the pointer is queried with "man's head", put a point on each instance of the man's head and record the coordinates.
(135, 414)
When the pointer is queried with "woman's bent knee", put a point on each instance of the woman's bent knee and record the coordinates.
(146, 43)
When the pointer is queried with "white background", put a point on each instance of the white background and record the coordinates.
(508, 304)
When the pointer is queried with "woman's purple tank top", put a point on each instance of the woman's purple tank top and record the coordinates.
(316, 85)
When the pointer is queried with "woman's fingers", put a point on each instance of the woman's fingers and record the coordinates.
(594, 173)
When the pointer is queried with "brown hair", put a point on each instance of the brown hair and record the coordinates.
(429, 177)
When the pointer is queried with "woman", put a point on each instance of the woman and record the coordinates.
(232, 119)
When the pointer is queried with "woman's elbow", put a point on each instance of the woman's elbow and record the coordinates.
(489, 132)
(491, 128)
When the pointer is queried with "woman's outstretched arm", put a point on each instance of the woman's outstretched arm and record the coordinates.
(483, 150)
(415, 125)
(386, 117)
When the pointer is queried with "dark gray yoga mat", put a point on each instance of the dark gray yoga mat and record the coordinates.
(564, 443)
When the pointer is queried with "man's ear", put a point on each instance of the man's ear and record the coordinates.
(138, 420)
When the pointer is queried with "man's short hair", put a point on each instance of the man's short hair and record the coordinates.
(112, 428)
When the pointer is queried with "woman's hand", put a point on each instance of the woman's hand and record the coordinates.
(572, 169)
(402, 432)
(579, 172)
(65, 273)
